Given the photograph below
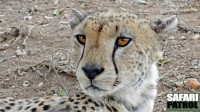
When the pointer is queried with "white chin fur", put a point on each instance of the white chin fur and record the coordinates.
(132, 96)
(95, 94)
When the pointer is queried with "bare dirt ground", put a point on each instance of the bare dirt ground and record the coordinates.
(31, 31)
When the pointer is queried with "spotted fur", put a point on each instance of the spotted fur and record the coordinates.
(129, 78)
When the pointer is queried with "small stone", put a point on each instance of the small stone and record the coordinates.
(26, 83)
(42, 22)
(140, 2)
(20, 52)
(183, 38)
(196, 37)
(178, 84)
(56, 1)
(192, 83)
(174, 89)
(188, 49)
(27, 17)
(171, 37)
(40, 84)
(7, 79)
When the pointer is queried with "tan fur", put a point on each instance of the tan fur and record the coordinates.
(128, 82)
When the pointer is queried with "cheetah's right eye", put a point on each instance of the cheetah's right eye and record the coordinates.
(123, 41)
(81, 39)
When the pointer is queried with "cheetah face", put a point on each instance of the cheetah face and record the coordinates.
(116, 51)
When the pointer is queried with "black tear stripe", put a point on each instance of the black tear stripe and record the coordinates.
(81, 56)
(113, 59)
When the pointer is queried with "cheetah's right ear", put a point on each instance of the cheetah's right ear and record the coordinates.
(76, 17)
(165, 25)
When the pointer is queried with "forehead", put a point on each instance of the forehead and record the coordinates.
(111, 16)
(107, 24)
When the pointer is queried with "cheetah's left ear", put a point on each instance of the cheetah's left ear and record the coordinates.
(76, 17)
(165, 25)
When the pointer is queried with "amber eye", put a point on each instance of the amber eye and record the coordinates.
(81, 39)
(123, 41)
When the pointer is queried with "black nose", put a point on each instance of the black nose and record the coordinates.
(91, 71)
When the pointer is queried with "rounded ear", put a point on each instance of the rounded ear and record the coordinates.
(165, 25)
(75, 18)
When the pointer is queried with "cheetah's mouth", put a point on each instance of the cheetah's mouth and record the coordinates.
(94, 88)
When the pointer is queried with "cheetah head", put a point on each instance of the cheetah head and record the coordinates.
(115, 49)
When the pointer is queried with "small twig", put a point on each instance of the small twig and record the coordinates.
(172, 70)
(163, 93)
(24, 41)
(1, 79)
(185, 29)
(54, 68)
(5, 59)
(10, 72)
(61, 81)
(15, 76)
(49, 70)
(37, 71)
(167, 85)
(17, 39)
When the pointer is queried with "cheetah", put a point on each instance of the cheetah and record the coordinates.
(116, 54)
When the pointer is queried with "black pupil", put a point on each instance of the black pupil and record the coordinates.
(81, 38)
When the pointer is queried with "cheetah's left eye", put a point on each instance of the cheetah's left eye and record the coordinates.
(123, 41)
(81, 39)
